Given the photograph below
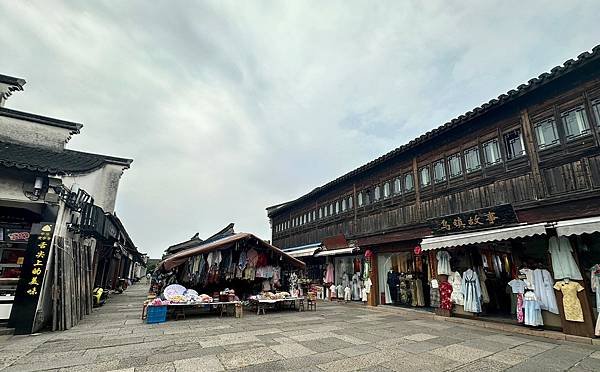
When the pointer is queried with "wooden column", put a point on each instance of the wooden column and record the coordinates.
(532, 153)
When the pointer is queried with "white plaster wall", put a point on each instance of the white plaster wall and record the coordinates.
(34, 134)
(11, 185)
(102, 184)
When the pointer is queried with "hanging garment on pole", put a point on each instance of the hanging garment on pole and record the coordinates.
(533, 311)
(443, 266)
(543, 287)
(571, 304)
(445, 296)
(471, 290)
(563, 263)
(456, 282)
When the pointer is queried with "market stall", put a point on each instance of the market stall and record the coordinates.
(234, 270)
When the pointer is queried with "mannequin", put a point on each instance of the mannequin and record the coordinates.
(393, 282)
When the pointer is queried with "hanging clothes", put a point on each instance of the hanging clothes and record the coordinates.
(443, 265)
(471, 290)
(595, 279)
(543, 287)
(519, 309)
(456, 282)
(445, 295)
(484, 291)
(329, 277)
(571, 304)
(420, 295)
(367, 289)
(355, 288)
(532, 309)
(357, 265)
(563, 263)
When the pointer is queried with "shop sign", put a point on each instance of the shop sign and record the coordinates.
(16, 236)
(32, 276)
(474, 220)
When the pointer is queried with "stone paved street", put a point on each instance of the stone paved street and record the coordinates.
(335, 338)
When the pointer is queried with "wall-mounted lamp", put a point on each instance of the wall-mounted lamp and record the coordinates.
(38, 186)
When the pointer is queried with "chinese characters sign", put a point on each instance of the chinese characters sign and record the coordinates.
(32, 277)
(473, 220)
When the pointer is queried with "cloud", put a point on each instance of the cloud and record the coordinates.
(228, 107)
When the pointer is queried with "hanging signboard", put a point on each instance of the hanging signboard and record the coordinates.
(17, 235)
(474, 220)
(28, 290)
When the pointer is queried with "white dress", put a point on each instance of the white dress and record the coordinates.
(443, 266)
(533, 311)
(563, 263)
(471, 290)
(544, 291)
(456, 296)
(355, 288)
(365, 293)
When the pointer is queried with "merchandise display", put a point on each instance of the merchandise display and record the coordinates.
(571, 303)
(563, 263)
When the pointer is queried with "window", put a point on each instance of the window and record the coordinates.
(513, 141)
(472, 162)
(455, 165)
(424, 176)
(314, 215)
(439, 171)
(409, 182)
(344, 206)
(491, 152)
(386, 190)
(546, 134)
(337, 207)
(360, 199)
(397, 186)
(377, 193)
(575, 122)
(331, 209)
(350, 202)
(596, 110)
(320, 212)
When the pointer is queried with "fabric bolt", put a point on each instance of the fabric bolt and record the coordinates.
(457, 295)
(543, 284)
(445, 296)
(434, 297)
(563, 263)
(571, 304)
(532, 309)
(443, 263)
(471, 290)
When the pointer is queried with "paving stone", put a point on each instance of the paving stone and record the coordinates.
(209, 363)
(483, 365)
(506, 339)
(162, 367)
(244, 358)
(96, 367)
(419, 337)
(357, 350)
(171, 356)
(352, 363)
(460, 353)
(507, 357)
(424, 362)
(292, 350)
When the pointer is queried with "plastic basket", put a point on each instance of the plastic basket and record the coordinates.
(156, 314)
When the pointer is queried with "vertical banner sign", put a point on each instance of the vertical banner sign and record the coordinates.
(32, 275)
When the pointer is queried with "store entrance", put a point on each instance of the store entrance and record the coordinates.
(404, 279)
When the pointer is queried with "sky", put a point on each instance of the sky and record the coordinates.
(228, 107)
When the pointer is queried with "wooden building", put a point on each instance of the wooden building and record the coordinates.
(533, 152)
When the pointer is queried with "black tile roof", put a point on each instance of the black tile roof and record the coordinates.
(42, 160)
(74, 127)
(545, 78)
(14, 81)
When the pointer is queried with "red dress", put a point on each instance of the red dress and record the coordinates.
(445, 292)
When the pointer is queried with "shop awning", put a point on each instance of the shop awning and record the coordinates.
(578, 226)
(302, 251)
(483, 236)
(180, 258)
(336, 252)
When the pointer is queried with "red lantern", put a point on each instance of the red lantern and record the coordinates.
(418, 250)
(368, 254)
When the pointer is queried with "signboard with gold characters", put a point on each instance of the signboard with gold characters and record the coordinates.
(32, 277)
(474, 220)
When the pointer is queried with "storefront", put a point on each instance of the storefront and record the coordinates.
(502, 270)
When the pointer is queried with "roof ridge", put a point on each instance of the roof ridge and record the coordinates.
(23, 115)
(503, 98)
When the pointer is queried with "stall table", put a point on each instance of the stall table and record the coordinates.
(179, 309)
(262, 305)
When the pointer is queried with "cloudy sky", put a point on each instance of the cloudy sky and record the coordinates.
(228, 107)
